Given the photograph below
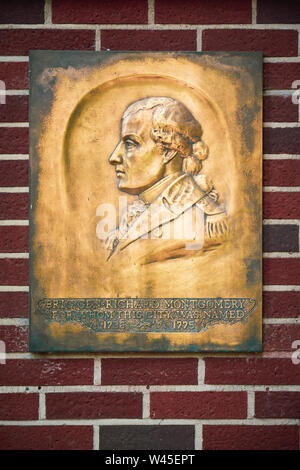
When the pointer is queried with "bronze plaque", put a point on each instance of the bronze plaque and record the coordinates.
(146, 201)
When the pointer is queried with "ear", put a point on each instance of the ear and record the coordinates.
(169, 155)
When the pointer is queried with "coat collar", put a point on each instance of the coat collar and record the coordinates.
(181, 194)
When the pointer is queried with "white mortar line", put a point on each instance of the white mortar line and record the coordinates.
(151, 10)
(154, 388)
(250, 404)
(280, 288)
(281, 221)
(16, 92)
(198, 436)
(140, 421)
(281, 255)
(280, 156)
(14, 58)
(14, 255)
(157, 26)
(18, 189)
(14, 321)
(97, 371)
(146, 404)
(272, 189)
(201, 371)
(96, 437)
(277, 355)
(14, 289)
(48, 12)
(14, 124)
(16, 156)
(199, 39)
(286, 93)
(254, 11)
(202, 354)
(275, 125)
(282, 321)
(6, 223)
(42, 406)
(97, 40)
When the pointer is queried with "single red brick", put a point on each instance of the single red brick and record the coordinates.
(19, 406)
(274, 43)
(281, 172)
(149, 371)
(281, 205)
(13, 140)
(106, 12)
(19, 12)
(13, 304)
(251, 371)
(94, 405)
(20, 41)
(47, 372)
(13, 172)
(14, 206)
(269, 11)
(46, 437)
(281, 271)
(277, 404)
(281, 140)
(129, 40)
(280, 337)
(203, 12)
(279, 109)
(280, 76)
(13, 239)
(15, 338)
(13, 272)
(233, 437)
(147, 437)
(15, 109)
(281, 304)
(198, 405)
(14, 75)
(281, 238)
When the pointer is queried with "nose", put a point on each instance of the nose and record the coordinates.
(117, 155)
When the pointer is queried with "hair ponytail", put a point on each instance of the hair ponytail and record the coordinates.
(192, 164)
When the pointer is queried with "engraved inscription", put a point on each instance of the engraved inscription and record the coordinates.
(147, 315)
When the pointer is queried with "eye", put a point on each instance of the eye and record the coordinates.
(130, 144)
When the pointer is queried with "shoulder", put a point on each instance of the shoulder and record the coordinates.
(182, 193)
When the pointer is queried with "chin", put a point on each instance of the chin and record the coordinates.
(122, 186)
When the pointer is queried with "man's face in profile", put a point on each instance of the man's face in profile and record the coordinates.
(137, 159)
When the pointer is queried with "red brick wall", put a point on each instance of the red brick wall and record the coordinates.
(197, 401)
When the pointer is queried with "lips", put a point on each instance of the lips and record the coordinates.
(120, 172)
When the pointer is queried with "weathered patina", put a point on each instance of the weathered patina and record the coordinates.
(146, 201)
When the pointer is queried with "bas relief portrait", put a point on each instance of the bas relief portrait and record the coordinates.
(159, 159)
(146, 184)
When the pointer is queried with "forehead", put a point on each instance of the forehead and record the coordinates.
(139, 123)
